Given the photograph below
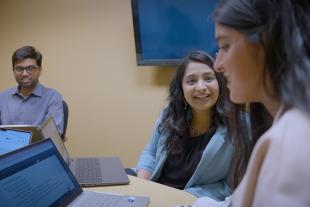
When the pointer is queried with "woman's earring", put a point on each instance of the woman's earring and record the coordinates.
(185, 105)
(247, 107)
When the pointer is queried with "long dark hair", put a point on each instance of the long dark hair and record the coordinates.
(244, 131)
(177, 117)
(282, 28)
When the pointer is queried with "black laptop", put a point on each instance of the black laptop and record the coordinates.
(37, 176)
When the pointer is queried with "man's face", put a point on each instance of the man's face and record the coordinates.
(27, 73)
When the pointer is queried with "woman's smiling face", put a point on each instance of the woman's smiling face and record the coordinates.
(200, 86)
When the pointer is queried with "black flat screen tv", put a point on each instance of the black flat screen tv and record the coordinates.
(167, 30)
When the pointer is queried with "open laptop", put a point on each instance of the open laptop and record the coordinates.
(89, 171)
(11, 139)
(34, 129)
(36, 176)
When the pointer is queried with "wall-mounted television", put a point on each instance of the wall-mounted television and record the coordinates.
(166, 30)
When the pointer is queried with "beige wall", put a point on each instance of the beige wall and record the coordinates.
(89, 57)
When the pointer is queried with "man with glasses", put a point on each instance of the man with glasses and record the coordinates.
(30, 102)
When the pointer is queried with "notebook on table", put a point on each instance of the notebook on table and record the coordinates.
(36, 176)
(89, 171)
(34, 129)
(11, 139)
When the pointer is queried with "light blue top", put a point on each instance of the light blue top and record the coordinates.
(42, 103)
(209, 178)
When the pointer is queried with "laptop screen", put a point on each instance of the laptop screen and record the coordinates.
(36, 175)
(36, 134)
(13, 139)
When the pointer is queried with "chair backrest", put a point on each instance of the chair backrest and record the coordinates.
(66, 116)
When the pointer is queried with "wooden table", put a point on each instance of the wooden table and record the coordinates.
(160, 195)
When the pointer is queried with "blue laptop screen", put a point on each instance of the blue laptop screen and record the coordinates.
(13, 139)
(36, 176)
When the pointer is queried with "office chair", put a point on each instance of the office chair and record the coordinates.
(130, 171)
(66, 116)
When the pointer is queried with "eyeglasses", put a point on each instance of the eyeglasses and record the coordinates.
(28, 69)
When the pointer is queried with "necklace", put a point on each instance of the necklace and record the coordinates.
(196, 133)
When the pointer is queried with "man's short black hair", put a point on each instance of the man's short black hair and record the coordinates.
(27, 52)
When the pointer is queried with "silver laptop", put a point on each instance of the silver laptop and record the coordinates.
(37, 176)
(12, 139)
(89, 171)
(34, 129)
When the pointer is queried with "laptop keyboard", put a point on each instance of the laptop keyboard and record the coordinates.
(88, 170)
(100, 200)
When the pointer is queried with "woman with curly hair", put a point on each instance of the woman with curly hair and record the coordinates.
(189, 148)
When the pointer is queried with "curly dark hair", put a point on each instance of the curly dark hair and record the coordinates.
(176, 122)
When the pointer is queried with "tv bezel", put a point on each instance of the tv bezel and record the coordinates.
(140, 60)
